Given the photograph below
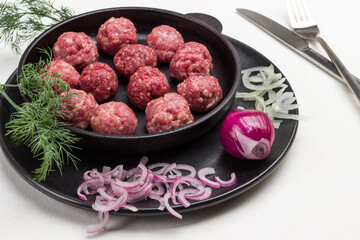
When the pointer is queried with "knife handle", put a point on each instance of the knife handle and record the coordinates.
(324, 64)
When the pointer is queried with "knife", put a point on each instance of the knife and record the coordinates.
(292, 40)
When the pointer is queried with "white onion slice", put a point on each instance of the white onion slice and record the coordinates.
(272, 85)
(273, 95)
(265, 83)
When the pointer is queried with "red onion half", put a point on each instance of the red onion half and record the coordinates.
(247, 134)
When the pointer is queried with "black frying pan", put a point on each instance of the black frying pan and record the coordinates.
(225, 60)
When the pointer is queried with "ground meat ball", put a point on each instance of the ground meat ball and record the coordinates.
(115, 33)
(201, 92)
(166, 113)
(76, 48)
(114, 118)
(165, 40)
(191, 58)
(129, 58)
(100, 80)
(79, 108)
(64, 71)
(146, 84)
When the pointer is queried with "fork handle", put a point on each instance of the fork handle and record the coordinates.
(323, 63)
(345, 74)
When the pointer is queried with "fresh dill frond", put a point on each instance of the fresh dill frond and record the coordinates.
(21, 21)
(36, 124)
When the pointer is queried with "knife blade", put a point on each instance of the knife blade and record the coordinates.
(292, 40)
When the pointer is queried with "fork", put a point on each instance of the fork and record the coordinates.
(305, 26)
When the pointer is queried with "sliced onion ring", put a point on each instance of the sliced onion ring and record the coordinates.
(226, 183)
(202, 176)
(103, 219)
(169, 208)
(117, 188)
(266, 83)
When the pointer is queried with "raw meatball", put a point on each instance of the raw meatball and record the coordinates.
(145, 84)
(65, 71)
(129, 58)
(201, 92)
(100, 80)
(165, 40)
(79, 108)
(191, 58)
(115, 33)
(76, 48)
(114, 118)
(166, 113)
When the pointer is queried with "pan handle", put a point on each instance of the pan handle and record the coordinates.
(208, 19)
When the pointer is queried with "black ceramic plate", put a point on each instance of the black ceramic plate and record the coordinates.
(204, 151)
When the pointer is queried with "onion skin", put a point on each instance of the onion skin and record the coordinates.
(247, 134)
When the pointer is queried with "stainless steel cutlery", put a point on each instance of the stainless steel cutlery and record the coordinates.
(296, 42)
(305, 26)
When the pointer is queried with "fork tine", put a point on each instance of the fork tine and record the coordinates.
(291, 12)
(300, 9)
(307, 13)
(299, 14)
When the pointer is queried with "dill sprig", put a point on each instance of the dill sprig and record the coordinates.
(21, 21)
(35, 122)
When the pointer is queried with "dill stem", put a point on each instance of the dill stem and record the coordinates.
(9, 85)
(2, 91)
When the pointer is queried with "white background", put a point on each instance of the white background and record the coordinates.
(314, 194)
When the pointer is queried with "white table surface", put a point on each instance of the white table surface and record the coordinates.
(314, 194)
